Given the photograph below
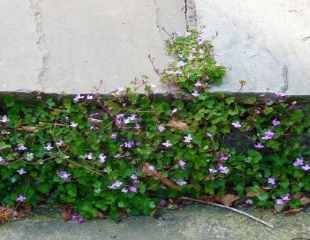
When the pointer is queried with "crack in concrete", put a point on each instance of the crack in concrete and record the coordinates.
(190, 14)
(35, 8)
(285, 79)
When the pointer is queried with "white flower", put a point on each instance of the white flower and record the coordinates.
(167, 144)
(4, 119)
(188, 138)
(48, 147)
(21, 147)
(73, 124)
(115, 185)
(89, 156)
(181, 182)
(21, 171)
(59, 143)
(161, 128)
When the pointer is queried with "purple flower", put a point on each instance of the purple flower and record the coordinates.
(268, 135)
(236, 124)
(161, 128)
(21, 199)
(78, 218)
(272, 181)
(21, 171)
(167, 144)
(223, 169)
(286, 198)
(182, 164)
(259, 146)
(133, 189)
(188, 138)
(299, 162)
(276, 122)
(65, 176)
(306, 167)
(151, 168)
(178, 73)
(280, 94)
(249, 201)
(114, 136)
(116, 185)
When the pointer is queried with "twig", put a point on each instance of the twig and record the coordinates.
(229, 208)
(156, 70)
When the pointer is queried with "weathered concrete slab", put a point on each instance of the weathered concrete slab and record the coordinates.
(265, 42)
(69, 46)
(192, 223)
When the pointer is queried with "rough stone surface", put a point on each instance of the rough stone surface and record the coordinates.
(265, 42)
(69, 46)
(192, 223)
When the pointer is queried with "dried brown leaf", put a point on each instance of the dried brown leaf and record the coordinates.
(177, 124)
(67, 213)
(228, 199)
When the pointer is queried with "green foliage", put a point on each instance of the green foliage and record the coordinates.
(91, 152)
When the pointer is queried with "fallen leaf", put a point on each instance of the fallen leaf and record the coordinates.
(305, 200)
(292, 211)
(253, 194)
(228, 199)
(6, 214)
(179, 125)
(67, 213)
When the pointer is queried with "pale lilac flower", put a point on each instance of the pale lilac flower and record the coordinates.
(4, 119)
(195, 93)
(77, 98)
(268, 135)
(48, 147)
(116, 185)
(188, 138)
(191, 57)
(89, 156)
(209, 135)
(65, 176)
(59, 143)
(174, 110)
(151, 168)
(181, 182)
(249, 201)
(2, 161)
(223, 169)
(198, 84)
(134, 177)
(213, 170)
(259, 146)
(124, 190)
(181, 64)
(279, 201)
(114, 136)
(236, 124)
(21, 199)
(21, 147)
(161, 128)
(133, 189)
(29, 156)
(167, 144)
(223, 157)
(286, 198)
(299, 162)
(102, 158)
(21, 171)
(89, 97)
(73, 124)
(280, 94)
(306, 167)
(271, 181)
(182, 164)
(128, 144)
(276, 122)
